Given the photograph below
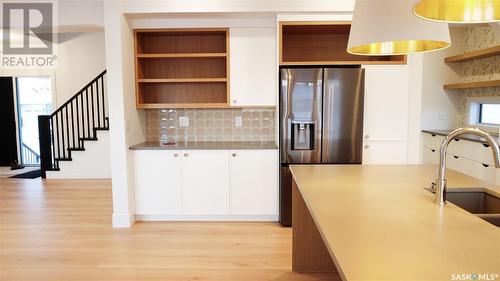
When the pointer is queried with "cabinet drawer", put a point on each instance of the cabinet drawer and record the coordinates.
(459, 164)
(432, 141)
(431, 156)
(475, 151)
(484, 172)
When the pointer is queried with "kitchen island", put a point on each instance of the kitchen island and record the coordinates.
(378, 223)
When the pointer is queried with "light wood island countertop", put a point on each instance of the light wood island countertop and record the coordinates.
(378, 223)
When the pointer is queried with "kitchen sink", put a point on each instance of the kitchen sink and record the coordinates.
(481, 204)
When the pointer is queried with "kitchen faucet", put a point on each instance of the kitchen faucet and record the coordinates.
(440, 183)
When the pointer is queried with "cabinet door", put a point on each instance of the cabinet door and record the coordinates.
(157, 182)
(205, 182)
(386, 103)
(253, 73)
(254, 182)
(384, 153)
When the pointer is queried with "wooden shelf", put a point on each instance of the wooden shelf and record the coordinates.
(483, 53)
(471, 85)
(182, 68)
(322, 43)
(182, 55)
(183, 80)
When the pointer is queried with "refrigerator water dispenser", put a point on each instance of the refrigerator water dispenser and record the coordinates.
(302, 136)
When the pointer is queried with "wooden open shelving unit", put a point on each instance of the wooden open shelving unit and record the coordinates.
(182, 68)
(467, 56)
(322, 43)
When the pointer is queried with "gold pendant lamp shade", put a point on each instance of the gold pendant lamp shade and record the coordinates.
(389, 27)
(459, 11)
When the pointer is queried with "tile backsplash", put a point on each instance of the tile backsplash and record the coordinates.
(210, 125)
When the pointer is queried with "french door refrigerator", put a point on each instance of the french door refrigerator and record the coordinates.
(321, 122)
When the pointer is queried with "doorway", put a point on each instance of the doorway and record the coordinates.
(34, 97)
(8, 140)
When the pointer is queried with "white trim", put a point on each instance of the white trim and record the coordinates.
(123, 220)
(472, 118)
(271, 218)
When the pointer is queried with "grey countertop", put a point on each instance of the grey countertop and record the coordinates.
(209, 145)
(463, 137)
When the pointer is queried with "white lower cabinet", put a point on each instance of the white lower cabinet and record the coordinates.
(254, 184)
(206, 184)
(158, 189)
(390, 152)
(468, 157)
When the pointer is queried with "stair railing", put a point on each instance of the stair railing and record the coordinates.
(29, 155)
(69, 126)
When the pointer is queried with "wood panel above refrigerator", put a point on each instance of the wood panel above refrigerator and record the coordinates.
(322, 43)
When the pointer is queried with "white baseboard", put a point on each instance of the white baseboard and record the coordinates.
(271, 218)
(123, 220)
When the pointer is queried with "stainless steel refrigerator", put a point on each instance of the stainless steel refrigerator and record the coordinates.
(321, 122)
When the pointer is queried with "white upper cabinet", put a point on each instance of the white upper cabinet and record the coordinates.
(205, 176)
(253, 73)
(386, 103)
(254, 182)
(158, 189)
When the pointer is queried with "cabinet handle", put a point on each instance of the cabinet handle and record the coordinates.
(367, 136)
(433, 150)
(485, 165)
(367, 146)
(456, 157)
(457, 139)
(176, 155)
(486, 145)
(234, 154)
(186, 155)
(433, 135)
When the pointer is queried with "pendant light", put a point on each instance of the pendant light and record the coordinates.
(389, 27)
(459, 11)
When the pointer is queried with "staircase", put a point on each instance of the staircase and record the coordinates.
(73, 124)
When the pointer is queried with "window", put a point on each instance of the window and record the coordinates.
(489, 113)
(484, 112)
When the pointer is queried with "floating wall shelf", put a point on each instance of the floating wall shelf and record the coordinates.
(483, 53)
(471, 85)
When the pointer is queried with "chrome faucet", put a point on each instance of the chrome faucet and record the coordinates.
(440, 184)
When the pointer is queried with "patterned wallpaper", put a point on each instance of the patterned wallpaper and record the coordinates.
(211, 125)
(474, 38)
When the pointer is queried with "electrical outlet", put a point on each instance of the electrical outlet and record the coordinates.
(442, 116)
(184, 121)
(238, 121)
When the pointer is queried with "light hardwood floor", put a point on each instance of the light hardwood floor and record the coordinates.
(61, 230)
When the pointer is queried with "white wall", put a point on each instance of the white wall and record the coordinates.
(93, 163)
(81, 58)
(231, 6)
(435, 99)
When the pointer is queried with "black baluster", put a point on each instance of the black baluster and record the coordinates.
(73, 124)
(97, 99)
(67, 131)
(88, 115)
(106, 125)
(92, 108)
